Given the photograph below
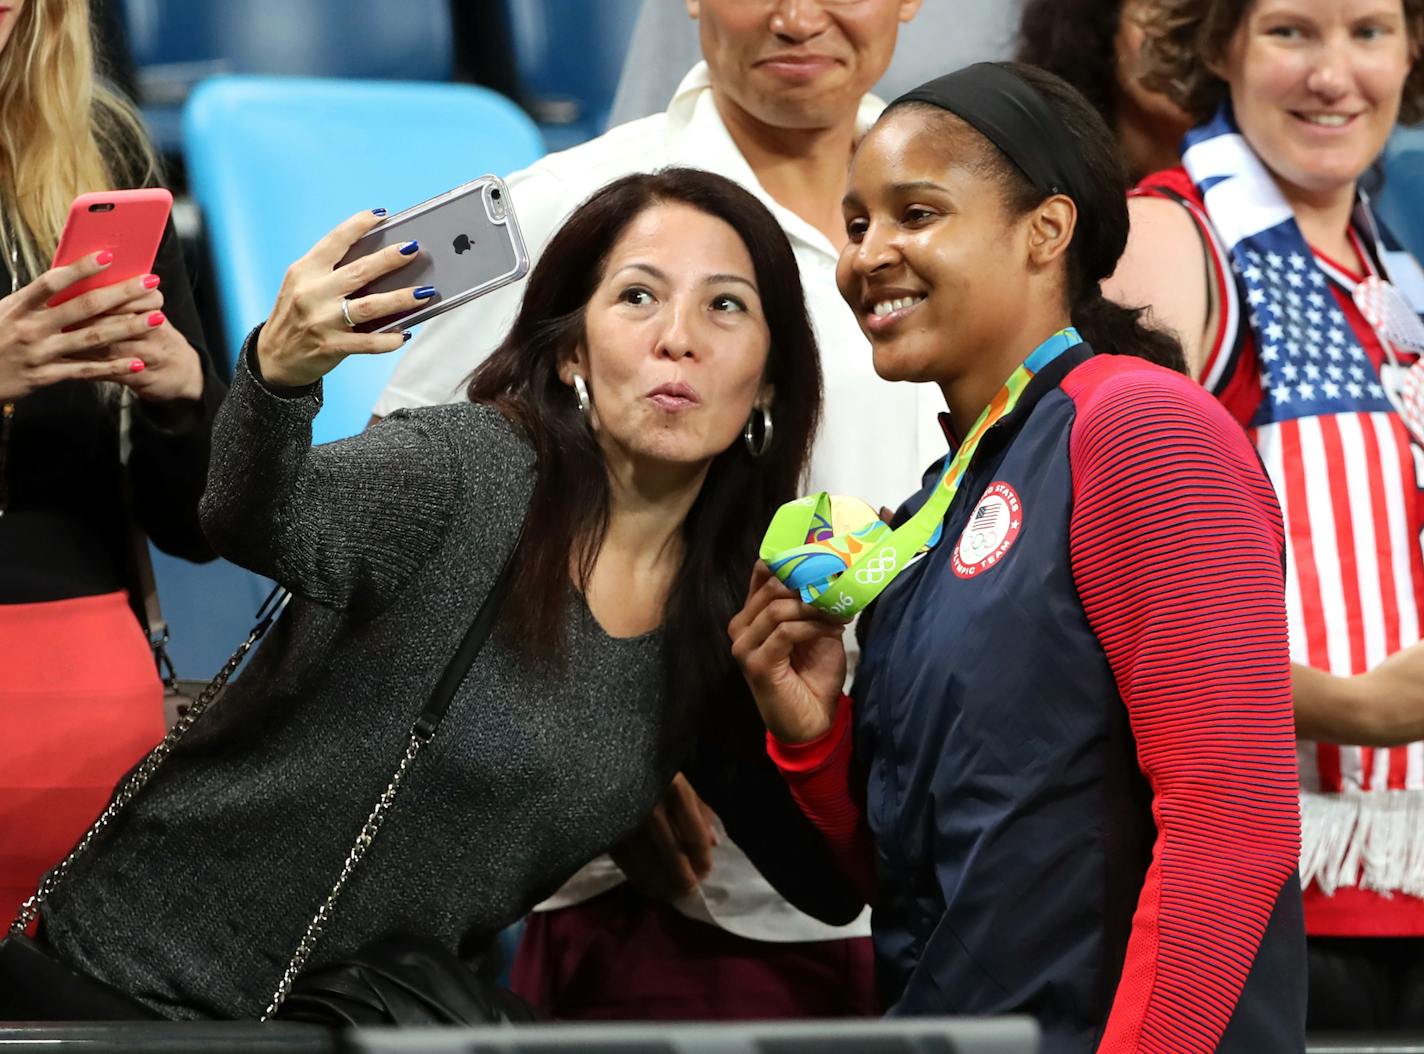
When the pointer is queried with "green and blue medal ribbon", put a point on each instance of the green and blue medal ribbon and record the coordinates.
(839, 555)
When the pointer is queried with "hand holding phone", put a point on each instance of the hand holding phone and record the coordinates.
(80, 340)
(358, 287)
(126, 224)
(470, 244)
(48, 334)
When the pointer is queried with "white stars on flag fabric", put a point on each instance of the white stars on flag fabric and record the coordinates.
(1309, 363)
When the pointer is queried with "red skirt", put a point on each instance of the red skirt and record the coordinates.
(80, 703)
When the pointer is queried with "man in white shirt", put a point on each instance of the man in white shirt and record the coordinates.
(946, 35)
(777, 105)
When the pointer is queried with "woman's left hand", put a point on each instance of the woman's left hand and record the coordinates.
(671, 852)
(171, 369)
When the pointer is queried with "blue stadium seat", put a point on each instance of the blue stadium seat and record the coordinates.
(569, 55)
(274, 163)
(176, 43)
(1401, 201)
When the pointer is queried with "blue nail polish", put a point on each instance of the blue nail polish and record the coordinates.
(378, 212)
(425, 292)
(409, 248)
(406, 336)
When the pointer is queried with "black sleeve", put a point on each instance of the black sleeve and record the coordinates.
(169, 464)
(754, 804)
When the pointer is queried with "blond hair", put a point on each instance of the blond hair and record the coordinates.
(62, 132)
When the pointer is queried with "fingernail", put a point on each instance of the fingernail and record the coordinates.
(409, 248)
(136, 366)
(103, 258)
(378, 212)
(406, 336)
(150, 281)
(156, 319)
(425, 292)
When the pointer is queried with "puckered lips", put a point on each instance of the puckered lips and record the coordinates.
(674, 397)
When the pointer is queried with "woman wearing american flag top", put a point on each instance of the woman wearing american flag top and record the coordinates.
(1300, 313)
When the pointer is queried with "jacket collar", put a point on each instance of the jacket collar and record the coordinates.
(1044, 381)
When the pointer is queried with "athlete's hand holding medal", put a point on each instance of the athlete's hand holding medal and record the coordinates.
(793, 657)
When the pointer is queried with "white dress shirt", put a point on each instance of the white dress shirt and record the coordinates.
(874, 441)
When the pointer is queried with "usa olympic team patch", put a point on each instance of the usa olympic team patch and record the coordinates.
(992, 528)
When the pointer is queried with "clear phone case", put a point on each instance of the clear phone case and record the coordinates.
(469, 245)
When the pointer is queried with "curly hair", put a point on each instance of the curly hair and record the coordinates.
(1076, 39)
(1184, 37)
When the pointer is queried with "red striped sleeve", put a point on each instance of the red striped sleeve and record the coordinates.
(1175, 535)
(818, 774)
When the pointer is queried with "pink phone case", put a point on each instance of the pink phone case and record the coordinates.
(129, 223)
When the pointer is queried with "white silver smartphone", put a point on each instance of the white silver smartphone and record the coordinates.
(469, 245)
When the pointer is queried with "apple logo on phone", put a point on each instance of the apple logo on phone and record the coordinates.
(462, 244)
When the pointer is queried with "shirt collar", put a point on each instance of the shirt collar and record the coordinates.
(699, 81)
(698, 137)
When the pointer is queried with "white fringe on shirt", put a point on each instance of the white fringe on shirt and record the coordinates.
(1372, 841)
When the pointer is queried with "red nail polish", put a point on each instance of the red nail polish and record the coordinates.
(156, 319)
(136, 366)
(103, 258)
(150, 281)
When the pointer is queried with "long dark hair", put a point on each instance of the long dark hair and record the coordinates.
(1101, 233)
(1076, 39)
(569, 511)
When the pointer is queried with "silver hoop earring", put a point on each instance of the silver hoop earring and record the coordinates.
(581, 392)
(757, 449)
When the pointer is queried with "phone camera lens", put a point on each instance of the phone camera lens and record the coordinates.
(494, 194)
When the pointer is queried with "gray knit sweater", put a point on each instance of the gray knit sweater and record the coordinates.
(196, 898)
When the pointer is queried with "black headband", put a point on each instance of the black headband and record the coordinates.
(1011, 114)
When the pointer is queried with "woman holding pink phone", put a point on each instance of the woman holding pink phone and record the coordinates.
(80, 698)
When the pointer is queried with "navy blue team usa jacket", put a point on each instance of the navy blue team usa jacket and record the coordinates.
(1073, 749)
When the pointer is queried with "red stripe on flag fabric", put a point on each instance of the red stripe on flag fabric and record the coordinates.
(1398, 767)
(1385, 557)
(1384, 544)
(1344, 538)
(1297, 516)
(1407, 475)
(1329, 425)
(1399, 759)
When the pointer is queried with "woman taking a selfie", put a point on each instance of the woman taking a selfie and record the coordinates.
(1300, 313)
(79, 692)
(1077, 807)
(601, 462)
